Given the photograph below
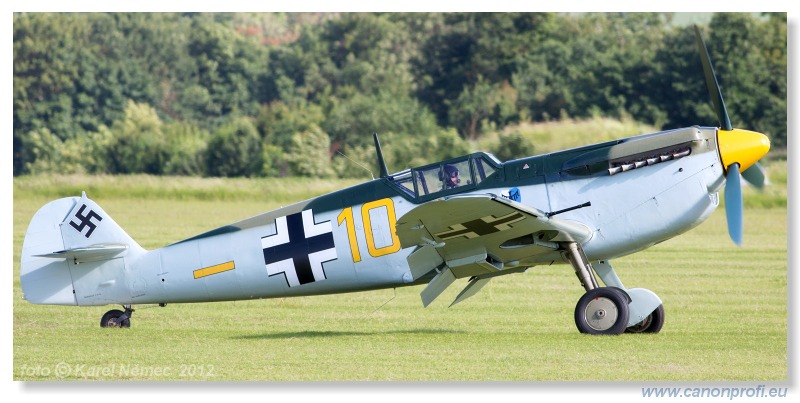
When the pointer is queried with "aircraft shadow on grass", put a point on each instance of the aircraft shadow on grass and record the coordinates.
(312, 334)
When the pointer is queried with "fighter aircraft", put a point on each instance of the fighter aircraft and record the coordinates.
(472, 217)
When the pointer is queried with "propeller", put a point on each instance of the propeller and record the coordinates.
(756, 176)
(734, 209)
(739, 150)
(712, 84)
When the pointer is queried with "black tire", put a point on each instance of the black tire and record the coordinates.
(602, 311)
(651, 324)
(112, 319)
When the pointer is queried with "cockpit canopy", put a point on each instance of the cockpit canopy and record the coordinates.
(447, 177)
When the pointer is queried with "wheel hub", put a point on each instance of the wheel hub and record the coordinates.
(601, 313)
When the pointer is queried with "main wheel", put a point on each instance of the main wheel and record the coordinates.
(651, 324)
(114, 318)
(602, 310)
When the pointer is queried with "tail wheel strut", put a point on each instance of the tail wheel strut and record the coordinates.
(117, 318)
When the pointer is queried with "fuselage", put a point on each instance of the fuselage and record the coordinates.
(643, 190)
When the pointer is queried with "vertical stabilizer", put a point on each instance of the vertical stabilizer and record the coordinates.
(74, 254)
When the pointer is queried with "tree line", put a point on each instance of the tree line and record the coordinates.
(273, 94)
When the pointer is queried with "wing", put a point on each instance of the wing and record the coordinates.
(480, 237)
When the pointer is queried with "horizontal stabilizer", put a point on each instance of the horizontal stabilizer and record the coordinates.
(475, 285)
(90, 253)
(437, 286)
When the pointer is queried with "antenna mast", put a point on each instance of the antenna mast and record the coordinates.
(381, 162)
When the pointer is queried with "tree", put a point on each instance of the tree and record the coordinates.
(186, 149)
(482, 104)
(227, 73)
(750, 61)
(513, 145)
(352, 120)
(308, 154)
(139, 144)
(235, 150)
(148, 92)
(470, 51)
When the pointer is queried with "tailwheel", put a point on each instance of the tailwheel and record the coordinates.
(651, 324)
(602, 310)
(117, 318)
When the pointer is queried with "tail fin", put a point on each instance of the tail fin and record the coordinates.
(74, 254)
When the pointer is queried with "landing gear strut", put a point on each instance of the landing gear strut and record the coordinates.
(117, 318)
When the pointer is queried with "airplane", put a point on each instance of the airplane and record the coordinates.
(472, 217)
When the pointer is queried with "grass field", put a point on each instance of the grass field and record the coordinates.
(726, 309)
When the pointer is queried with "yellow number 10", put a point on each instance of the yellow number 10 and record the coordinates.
(346, 216)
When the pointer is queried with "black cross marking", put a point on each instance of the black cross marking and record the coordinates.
(298, 248)
(481, 226)
(85, 221)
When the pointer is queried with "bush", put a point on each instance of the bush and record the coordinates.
(308, 154)
(139, 144)
(187, 150)
(235, 150)
(512, 146)
(42, 150)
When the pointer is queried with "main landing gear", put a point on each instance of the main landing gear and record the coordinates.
(117, 318)
(603, 310)
(611, 310)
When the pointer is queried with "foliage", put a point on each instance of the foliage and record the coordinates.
(235, 150)
(308, 153)
(513, 145)
(139, 145)
(352, 121)
(44, 151)
(759, 99)
(186, 148)
(475, 106)
(157, 92)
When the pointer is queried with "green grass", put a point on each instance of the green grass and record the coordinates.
(726, 309)
(148, 187)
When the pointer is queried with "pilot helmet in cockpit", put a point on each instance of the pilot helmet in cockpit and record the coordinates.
(449, 175)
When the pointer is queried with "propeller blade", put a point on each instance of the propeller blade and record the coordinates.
(756, 176)
(734, 208)
(712, 84)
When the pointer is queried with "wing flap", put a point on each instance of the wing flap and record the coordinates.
(475, 284)
(472, 267)
(437, 286)
(422, 260)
